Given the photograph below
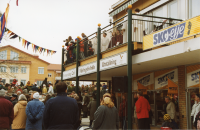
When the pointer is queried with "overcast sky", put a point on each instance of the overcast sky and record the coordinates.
(47, 23)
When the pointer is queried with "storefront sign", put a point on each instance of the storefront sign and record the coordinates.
(69, 74)
(162, 80)
(145, 80)
(173, 33)
(172, 87)
(142, 88)
(193, 78)
(87, 69)
(113, 61)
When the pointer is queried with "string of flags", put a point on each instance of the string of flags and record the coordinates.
(12, 35)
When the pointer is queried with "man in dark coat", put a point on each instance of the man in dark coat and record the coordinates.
(34, 88)
(14, 99)
(92, 108)
(86, 101)
(61, 112)
(6, 111)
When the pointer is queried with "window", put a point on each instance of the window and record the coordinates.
(173, 9)
(39, 83)
(23, 69)
(41, 70)
(3, 55)
(13, 55)
(2, 69)
(23, 81)
(14, 69)
(49, 74)
(4, 81)
(11, 80)
(194, 9)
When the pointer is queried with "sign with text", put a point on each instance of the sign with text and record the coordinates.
(145, 81)
(87, 69)
(113, 61)
(172, 33)
(193, 78)
(172, 87)
(69, 74)
(162, 80)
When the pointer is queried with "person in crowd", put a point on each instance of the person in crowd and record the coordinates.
(135, 114)
(86, 88)
(85, 42)
(18, 93)
(86, 101)
(106, 116)
(92, 106)
(123, 111)
(34, 112)
(82, 88)
(28, 97)
(44, 90)
(119, 38)
(113, 40)
(79, 110)
(95, 44)
(44, 82)
(114, 100)
(80, 97)
(6, 111)
(81, 49)
(61, 112)
(47, 98)
(104, 86)
(19, 89)
(142, 110)
(70, 51)
(170, 109)
(195, 108)
(19, 121)
(9, 90)
(14, 99)
(90, 49)
(150, 112)
(104, 42)
(168, 123)
(102, 92)
(50, 89)
(25, 91)
(34, 87)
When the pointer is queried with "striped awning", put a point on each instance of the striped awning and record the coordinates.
(122, 8)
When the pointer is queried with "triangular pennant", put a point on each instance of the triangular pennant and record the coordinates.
(32, 45)
(25, 43)
(17, 2)
(14, 36)
(172, 87)
(3, 22)
(19, 39)
(142, 88)
(28, 43)
(9, 31)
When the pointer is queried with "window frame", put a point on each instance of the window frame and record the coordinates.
(50, 75)
(3, 57)
(39, 69)
(5, 68)
(22, 71)
(15, 55)
(23, 80)
(16, 69)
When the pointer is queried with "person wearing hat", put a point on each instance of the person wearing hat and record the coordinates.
(195, 107)
(19, 121)
(34, 112)
(170, 109)
(34, 87)
(14, 99)
(44, 90)
(113, 40)
(6, 110)
(86, 101)
(104, 42)
(167, 122)
(50, 89)
(85, 42)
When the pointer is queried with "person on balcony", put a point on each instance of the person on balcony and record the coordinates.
(85, 42)
(95, 44)
(113, 40)
(90, 49)
(125, 30)
(104, 42)
(67, 44)
(119, 38)
(81, 49)
(137, 27)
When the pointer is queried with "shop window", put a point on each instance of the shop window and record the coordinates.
(194, 9)
(3, 81)
(14, 55)
(3, 55)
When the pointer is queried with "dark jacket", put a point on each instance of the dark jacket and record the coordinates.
(106, 118)
(34, 88)
(85, 103)
(92, 106)
(14, 102)
(6, 113)
(168, 124)
(60, 112)
(123, 109)
(34, 112)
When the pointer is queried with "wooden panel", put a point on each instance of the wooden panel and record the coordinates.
(193, 68)
(70, 67)
(88, 60)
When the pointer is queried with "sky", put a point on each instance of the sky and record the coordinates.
(47, 23)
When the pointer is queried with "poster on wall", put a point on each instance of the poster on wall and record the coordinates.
(161, 81)
(146, 81)
(193, 78)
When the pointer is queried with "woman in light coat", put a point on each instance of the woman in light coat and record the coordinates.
(196, 107)
(19, 121)
(106, 116)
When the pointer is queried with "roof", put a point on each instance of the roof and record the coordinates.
(37, 57)
(54, 67)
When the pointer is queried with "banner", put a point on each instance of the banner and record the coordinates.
(193, 78)
(69, 74)
(87, 69)
(172, 87)
(146, 81)
(172, 33)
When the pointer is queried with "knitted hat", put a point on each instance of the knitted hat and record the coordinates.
(25, 91)
(2, 92)
(36, 95)
(166, 117)
(22, 97)
(14, 95)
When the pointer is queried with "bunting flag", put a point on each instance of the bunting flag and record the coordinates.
(17, 2)
(3, 22)
(28, 43)
(14, 36)
(12, 33)
(172, 87)
(142, 88)
(19, 39)
(25, 43)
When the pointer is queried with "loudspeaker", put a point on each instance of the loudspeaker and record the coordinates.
(120, 84)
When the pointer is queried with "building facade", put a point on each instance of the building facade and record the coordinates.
(54, 73)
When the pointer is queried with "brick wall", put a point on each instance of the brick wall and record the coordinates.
(182, 97)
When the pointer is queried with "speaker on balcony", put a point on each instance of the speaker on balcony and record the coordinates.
(120, 84)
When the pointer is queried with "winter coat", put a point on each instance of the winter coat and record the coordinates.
(195, 110)
(92, 106)
(19, 121)
(112, 42)
(119, 38)
(106, 118)
(168, 124)
(142, 108)
(86, 101)
(44, 90)
(51, 90)
(171, 110)
(6, 113)
(123, 109)
(60, 112)
(81, 46)
(14, 102)
(34, 88)
(34, 112)
(104, 43)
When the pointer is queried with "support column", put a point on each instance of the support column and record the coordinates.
(62, 64)
(77, 65)
(98, 63)
(129, 56)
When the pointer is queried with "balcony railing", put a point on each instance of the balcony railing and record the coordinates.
(116, 34)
